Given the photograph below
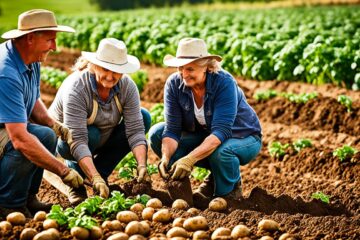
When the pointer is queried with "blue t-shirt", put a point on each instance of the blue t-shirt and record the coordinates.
(19, 85)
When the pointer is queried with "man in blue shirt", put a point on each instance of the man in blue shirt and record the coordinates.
(26, 148)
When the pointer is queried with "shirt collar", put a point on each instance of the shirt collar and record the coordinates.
(22, 67)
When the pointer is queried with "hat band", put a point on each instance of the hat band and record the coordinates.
(119, 64)
(26, 29)
(189, 57)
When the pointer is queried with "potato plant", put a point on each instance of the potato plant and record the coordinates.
(128, 165)
(346, 101)
(54, 77)
(321, 196)
(265, 95)
(140, 78)
(344, 153)
(277, 150)
(299, 98)
(301, 143)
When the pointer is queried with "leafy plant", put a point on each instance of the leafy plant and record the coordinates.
(52, 76)
(128, 165)
(277, 150)
(152, 169)
(346, 101)
(321, 196)
(200, 173)
(140, 77)
(301, 143)
(265, 95)
(299, 98)
(345, 152)
(157, 113)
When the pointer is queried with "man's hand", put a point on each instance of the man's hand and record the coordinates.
(142, 174)
(62, 131)
(182, 167)
(164, 162)
(73, 179)
(100, 186)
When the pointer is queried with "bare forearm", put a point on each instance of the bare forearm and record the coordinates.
(88, 167)
(208, 146)
(40, 115)
(168, 147)
(140, 154)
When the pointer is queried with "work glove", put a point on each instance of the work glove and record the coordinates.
(73, 179)
(62, 131)
(142, 174)
(162, 167)
(99, 185)
(182, 167)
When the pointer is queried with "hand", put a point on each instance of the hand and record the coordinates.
(162, 167)
(73, 179)
(62, 131)
(182, 167)
(142, 173)
(100, 186)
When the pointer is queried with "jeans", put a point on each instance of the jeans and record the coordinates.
(107, 156)
(19, 177)
(224, 163)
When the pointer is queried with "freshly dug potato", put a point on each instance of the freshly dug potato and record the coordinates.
(133, 228)
(266, 238)
(158, 236)
(193, 211)
(40, 216)
(118, 236)
(96, 232)
(180, 204)
(137, 207)
(178, 222)
(177, 238)
(106, 224)
(80, 233)
(148, 213)
(163, 215)
(28, 234)
(127, 216)
(221, 233)
(218, 204)
(54, 233)
(154, 203)
(240, 231)
(16, 218)
(196, 223)
(50, 223)
(268, 225)
(177, 232)
(287, 236)
(199, 235)
(116, 225)
(50, 234)
(5, 226)
(137, 237)
(145, 228)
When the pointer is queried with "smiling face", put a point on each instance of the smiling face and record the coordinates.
(193, 75)
(106, 78)
(41, 43)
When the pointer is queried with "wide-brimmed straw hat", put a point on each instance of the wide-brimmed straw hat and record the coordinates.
(189, 50)
(36, 20)
(112, 55)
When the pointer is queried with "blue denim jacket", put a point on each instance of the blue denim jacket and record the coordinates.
(227, 113)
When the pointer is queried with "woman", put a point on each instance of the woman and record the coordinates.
(208, 123)
(100, 105)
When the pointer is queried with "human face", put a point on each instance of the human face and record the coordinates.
(193, 75)
(41, 44)
(106, 78)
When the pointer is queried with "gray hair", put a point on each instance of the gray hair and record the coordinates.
(81, 63)
(211, 64)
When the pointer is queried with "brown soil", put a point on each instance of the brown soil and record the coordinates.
(278, 189)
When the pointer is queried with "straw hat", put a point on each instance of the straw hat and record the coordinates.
(112, 55)
(189, 50)
(36, 20)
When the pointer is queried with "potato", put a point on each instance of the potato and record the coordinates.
(154, 203)
(80, 233)
(287, 236)
(158, 236)
(116, 225)
(50, 223)
(137, 207)
(28, 234)
(54, 233)
(180, 204)
(177, 232)
(198, 235)
(96, 232)
(5, 226)
(118, 236)
(145, 228)
(268, 225)
(50, 234)
(240, 231)
(177, 238)
(40, 216)
(163, 215)
(218, 204)
(133, 228)
(148, 213)
(178, 222)
(220, 233)
(106, 224)
(126, 216)
(196, 223)
(266, 238)
(193, 211)
(16, 218)
(137, 237)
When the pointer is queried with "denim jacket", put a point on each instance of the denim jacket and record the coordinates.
(227, 113)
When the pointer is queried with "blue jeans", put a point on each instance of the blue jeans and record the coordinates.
(107, 156)
(224, 163)
(19, 177)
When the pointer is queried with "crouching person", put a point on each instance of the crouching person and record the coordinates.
(100, 104)
(26, 149)
(208, 123)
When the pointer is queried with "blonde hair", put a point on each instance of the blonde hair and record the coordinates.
(211, 64)
(80, 64)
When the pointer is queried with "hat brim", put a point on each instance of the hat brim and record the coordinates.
(131, 66)
(172, 61)
(15, 33)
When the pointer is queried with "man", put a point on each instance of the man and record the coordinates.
(26, 148)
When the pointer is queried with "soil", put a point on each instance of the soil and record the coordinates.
(278, 189)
